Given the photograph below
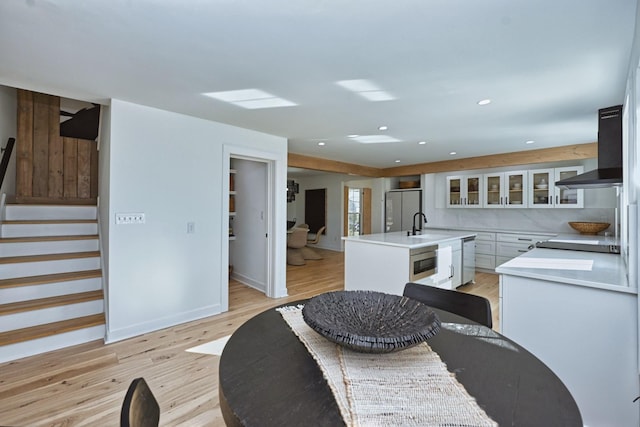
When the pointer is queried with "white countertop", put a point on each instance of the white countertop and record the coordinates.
(494, 230)
(607, 271)
(400, 238)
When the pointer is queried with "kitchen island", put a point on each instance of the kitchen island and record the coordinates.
(385, 262)
(576, 312)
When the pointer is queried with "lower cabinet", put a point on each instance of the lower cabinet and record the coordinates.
(509, 246)
(584, 334)
(485, 250)
(493, 249)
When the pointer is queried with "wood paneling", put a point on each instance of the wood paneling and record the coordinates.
(50, 168)
(24, 144)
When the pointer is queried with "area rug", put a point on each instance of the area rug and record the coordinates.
(213, 347)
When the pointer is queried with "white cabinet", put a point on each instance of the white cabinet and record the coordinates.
(485, 250)
(449, 271)
(464, 191)
(543, 193)
(509, 245)
(584, 334)
(505, 189)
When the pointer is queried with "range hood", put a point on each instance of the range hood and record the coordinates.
(609, 172)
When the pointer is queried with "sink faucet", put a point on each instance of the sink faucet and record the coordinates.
(414, 229)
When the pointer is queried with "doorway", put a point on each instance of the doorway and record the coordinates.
(257, 248)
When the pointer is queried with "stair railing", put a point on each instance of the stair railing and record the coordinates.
(4, 164)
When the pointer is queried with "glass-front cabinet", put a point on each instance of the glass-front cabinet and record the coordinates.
(544, 194)
(505, 190)
(464, 191)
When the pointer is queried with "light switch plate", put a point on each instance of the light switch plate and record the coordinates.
(130, 218)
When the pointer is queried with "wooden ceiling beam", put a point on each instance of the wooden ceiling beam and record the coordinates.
(326, 165)
(518, 158)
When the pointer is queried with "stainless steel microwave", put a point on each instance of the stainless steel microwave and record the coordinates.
(422, 262)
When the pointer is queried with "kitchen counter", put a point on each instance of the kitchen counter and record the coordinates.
(581, 323)
(493, 230)
(400, 238)
(608, 271)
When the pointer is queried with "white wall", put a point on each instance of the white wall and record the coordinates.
(8, 129)
(171, 167)
(599, 205)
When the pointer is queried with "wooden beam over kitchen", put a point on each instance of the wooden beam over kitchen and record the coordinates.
(326, 165)
(544, 155)
(518, 158)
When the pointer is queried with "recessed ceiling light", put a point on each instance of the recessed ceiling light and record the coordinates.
(422, 142)
(355, 135)
(484, 102)
(383, 127)
(320, 143)
(453, 153)
(529, 141)
(397, 161)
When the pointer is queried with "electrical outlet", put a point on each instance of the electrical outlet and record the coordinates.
(130, 218)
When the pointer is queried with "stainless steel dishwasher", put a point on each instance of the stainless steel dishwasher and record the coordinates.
(468, 259)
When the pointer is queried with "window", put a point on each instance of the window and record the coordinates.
(354, 211)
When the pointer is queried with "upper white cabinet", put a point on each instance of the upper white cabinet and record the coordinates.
(464, 191)
(544, 194)
(505, 189)
(514, 189)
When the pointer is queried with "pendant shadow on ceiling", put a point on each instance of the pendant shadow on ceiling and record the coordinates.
(83, 124)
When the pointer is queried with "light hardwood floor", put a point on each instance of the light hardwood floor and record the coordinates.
(84, 385)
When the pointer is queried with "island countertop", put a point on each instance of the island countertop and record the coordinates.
(607, 271)
(400, 238)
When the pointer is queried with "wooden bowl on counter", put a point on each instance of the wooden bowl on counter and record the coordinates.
(589, 227)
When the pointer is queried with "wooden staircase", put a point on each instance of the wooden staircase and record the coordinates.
(51, 293)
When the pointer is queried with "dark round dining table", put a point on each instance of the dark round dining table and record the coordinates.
(268, 378)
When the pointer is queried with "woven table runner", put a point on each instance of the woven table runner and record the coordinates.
(411, 387)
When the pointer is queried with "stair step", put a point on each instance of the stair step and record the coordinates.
(42, 303)
(39, 228)
(47, 238)
(49, 278)
(49, 221)
(48, 257)
(38, 245)
(49, 211)
(50, 329)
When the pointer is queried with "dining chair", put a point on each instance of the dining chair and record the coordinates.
(473, 307)
(139, 408)
(303, 226)
(296, 241)
(316, 239)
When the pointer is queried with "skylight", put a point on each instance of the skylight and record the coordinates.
(375, 139)
(366, 89)
(252, 99)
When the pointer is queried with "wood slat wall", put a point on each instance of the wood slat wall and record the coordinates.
(50, 167)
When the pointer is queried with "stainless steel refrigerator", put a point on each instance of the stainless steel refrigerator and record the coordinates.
(400, 206)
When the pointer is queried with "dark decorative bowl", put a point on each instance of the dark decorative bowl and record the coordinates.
(290, 224)
(371, 322)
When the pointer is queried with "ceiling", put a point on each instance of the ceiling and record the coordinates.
(546, 65)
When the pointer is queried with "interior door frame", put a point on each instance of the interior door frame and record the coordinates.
(276, 250)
